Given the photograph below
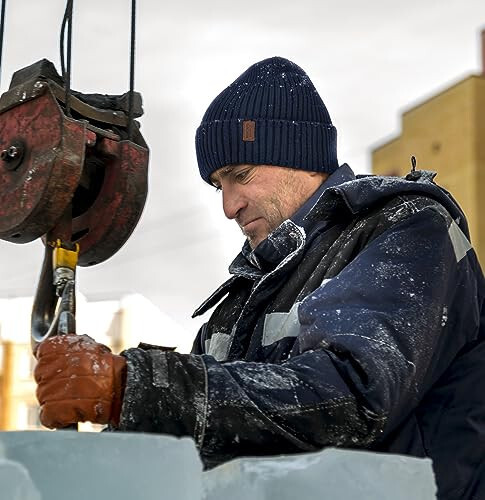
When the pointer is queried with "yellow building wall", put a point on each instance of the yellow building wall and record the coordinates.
(446, 133)
(479, 138)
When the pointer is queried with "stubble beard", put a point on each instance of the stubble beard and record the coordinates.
(273, 217)
(284, 202)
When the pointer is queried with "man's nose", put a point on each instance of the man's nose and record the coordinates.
(233, 201)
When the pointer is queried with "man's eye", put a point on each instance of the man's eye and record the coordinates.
(241, 176)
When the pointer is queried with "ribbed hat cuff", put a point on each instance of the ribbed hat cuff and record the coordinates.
(304, 145)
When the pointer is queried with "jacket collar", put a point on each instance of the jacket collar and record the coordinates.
(341, 175)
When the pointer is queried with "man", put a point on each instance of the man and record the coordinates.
(354, 316)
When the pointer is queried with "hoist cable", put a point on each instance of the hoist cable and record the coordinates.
(66, 58)
(132, 70)
(68, 72)
(2, 28)
(61, 43)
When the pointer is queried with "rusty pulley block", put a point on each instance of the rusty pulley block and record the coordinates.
(85, 163)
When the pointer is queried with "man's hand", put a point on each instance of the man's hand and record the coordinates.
(78, 380)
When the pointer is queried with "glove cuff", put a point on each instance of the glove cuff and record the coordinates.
(119, 384)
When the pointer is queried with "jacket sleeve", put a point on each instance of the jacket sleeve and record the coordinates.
(372, 341)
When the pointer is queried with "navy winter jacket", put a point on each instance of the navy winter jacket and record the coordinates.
(359, 323)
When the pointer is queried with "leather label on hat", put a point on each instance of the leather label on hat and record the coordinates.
(249, 129)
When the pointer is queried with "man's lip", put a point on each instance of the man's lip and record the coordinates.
(249, 222)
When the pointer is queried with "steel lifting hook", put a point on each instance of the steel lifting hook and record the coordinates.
(54, 309)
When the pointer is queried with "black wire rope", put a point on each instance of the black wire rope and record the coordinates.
(132, 70)
(2, 28)
(66, 59)
(61, 43)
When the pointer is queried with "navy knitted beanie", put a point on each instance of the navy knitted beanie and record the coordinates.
(271, 115)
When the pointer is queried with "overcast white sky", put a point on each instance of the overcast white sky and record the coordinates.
(369, 61)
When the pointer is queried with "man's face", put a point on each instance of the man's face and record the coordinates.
(261, 197)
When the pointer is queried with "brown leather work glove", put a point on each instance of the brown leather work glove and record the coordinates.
(78, 380)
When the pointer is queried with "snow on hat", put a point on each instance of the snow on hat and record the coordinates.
(271, 115)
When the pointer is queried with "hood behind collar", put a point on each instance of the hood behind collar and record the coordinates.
(365, 192)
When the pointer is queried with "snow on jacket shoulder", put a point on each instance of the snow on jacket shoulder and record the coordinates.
(368, 333)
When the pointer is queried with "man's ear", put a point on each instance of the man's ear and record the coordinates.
(322, 175)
